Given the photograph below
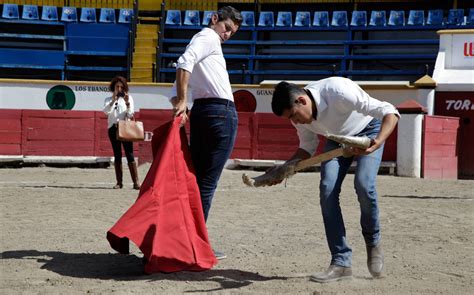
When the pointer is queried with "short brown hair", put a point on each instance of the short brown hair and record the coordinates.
(118, 79)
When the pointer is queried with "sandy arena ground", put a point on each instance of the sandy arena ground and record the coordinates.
(54, 220)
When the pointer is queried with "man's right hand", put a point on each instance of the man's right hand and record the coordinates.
(179, 109)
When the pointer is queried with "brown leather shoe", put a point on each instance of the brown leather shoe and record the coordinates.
(332, 274)
(375, 260)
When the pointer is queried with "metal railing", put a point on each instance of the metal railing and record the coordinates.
(76, 3)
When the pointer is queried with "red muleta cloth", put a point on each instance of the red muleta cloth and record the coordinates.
(167, 222)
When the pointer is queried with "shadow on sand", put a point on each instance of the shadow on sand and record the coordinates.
(130, 268)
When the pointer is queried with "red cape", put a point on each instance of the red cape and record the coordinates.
(167, 222)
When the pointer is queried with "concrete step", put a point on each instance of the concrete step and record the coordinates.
(146, 35)
(143, 65)
(150, 29)
(141, 79)
(149, 42)
(140, 73)
(149, 19)
(145, 50)
(144, 57)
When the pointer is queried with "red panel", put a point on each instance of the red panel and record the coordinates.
(461, 105)
(433, 163)
(10, 149)
(433, 174)
(245, 144)
(449, 163)
(451, 124)
(433, 124)
(10, 137)
(276, 138)
(10, 132)
(440, 151)
(441, 138)
(58, 133)
(390, 147)
(450, 174)
(151, 119)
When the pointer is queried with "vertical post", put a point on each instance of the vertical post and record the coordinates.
(129, 54)
(161, 35)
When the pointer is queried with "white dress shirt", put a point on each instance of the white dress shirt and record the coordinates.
(343, 108)
(118, 110)
(204, 59)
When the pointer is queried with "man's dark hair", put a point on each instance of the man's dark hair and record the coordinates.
(284, 97)
(117, 79)
(227, 12)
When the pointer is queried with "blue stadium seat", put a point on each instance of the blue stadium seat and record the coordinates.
(88, 15)
(69, 14)
(470, 17)
(396, 18)
(435, 17)
(302, 19)
(321, 19)
(206, 17)
(266, 19)
(339, 18)
(125, 16)
(10, 11)
(50, 13)
(191, 18)
(248, 18)
(30, 12)
(173, 17)
(284, 19)
(416, 18)
(107, 15)
(456, 17)
(359, 18)
(378, 18)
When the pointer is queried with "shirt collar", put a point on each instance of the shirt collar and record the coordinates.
(316, 97)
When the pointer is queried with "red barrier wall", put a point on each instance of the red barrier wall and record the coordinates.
(10, 132)
(439, 155)
(84, 133)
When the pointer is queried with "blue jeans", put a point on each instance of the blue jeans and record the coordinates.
(332, 176)
(213, 124)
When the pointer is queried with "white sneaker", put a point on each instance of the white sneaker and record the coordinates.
(219, 255)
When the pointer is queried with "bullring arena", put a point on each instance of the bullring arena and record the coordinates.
(56, 164)
(53, 226)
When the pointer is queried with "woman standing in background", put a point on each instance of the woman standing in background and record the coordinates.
(119, 107)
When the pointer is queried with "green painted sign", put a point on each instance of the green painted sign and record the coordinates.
(60, 97)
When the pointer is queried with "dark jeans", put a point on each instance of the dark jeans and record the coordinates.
(213, 123)
(117, 146)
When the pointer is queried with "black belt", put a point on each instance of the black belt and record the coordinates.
(213, 100)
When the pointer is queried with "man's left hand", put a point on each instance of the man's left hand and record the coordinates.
(374, 145)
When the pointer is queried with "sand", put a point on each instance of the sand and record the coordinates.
(54, 220)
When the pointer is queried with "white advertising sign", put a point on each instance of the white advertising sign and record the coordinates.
(462, 51)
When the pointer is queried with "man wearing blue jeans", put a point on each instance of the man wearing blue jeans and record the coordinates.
(213, 120)
(339, 106)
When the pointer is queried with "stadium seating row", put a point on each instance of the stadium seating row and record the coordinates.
(339, 18)
(68, 14)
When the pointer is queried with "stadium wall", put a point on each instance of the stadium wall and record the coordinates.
(34, 125)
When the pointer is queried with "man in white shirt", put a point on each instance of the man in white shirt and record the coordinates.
(213, 120)
(339, 106)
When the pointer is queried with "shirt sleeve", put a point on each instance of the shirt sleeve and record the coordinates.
(107, 109)
(355, 98)
(199, 48)
(308, 140)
